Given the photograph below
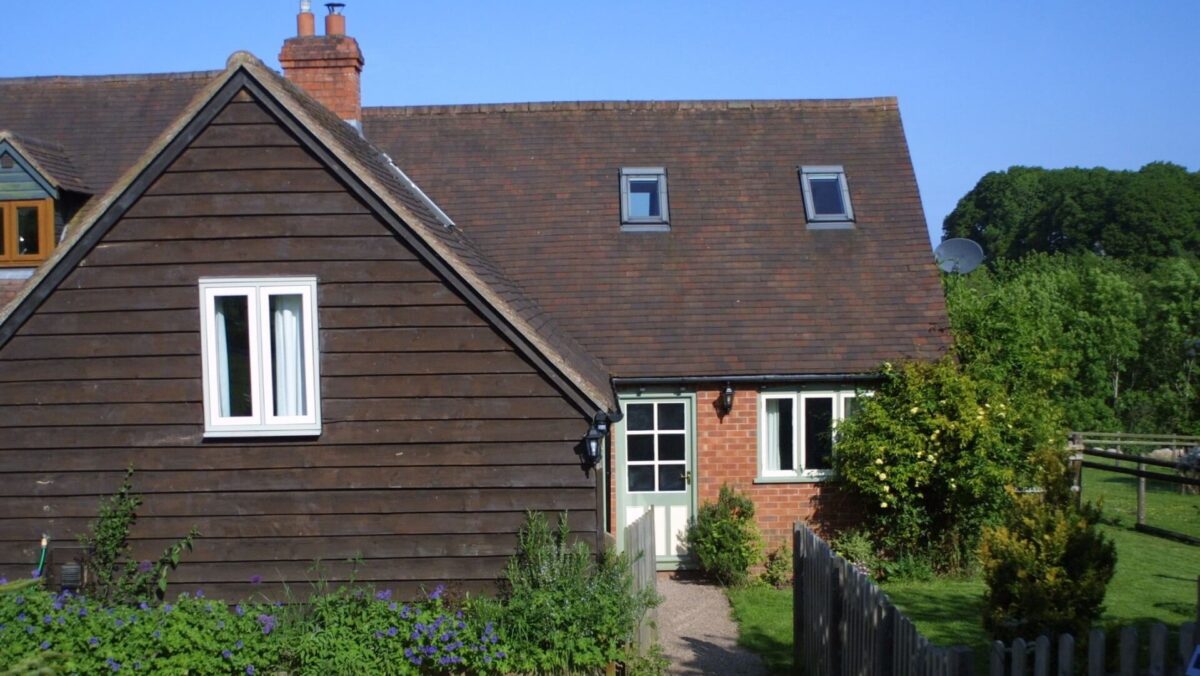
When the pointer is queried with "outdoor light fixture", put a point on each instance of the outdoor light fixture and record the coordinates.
(727, 399)
(591, 444)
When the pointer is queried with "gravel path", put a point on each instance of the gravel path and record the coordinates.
(697, 632)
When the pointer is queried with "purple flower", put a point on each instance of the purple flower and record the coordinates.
(21, 617)
(405, 612)
(430, 649)
(45, 645)
(46, 619)
(3, 580)
(227, 654)
(199, 593)
(437, 592)
(239, 610)
(167, 607)
(145, 567)
(256, 579)
(82, 612)
(35, 573)
(384, 595)
(156, 634)
(93, 641)
(20, 600)
(237, 646)
(267, 622)
(392, 631)
(113, 664)
(118, 623)
(250, 670)
(144, 606)
(29, 629)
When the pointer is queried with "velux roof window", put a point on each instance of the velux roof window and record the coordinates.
(644, 199)
(826, 197)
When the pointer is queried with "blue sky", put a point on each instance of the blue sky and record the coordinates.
(982, 86)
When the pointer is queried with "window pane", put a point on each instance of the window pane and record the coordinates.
(287, 354)
(818, 432)
(852, 407)
(641, 478)
(641, 416)
(233, 355)
(670, 416)
(28, 237)
(643, 198)
(670, 447)
(641, 446)
(780, 435)
(826, 195)
(670, 478)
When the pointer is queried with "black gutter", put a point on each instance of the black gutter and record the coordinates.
(764, 379)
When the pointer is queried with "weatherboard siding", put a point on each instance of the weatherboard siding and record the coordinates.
(437, 434)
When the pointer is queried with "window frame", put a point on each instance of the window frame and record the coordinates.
(9, 232)
(660, 223)
(844, 220)
(799, 426)
(258, 292)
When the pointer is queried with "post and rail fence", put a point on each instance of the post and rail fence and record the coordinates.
(1101, 444)
(844, 625)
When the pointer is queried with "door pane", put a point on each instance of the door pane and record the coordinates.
(28, 236)
(641, 416)
(641, 447)
(670, 478)
(287, 354)
(670, 447)
(818, 432)
(641, 478)
(670, 416)
(233, 355)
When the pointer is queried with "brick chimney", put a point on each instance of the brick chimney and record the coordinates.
(326, 66)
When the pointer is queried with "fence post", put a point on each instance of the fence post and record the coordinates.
(1019, 656)
(1129, 651)
(797, 597)
(996, 659)
(1141, 496)
(1158, 650)
(1096, 652)
(1076, 464)
(1041, 656)
(964, 659)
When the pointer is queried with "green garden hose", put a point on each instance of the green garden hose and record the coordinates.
(42, 560)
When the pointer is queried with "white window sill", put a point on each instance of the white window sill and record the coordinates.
(810, 478)
(831, 225)
(646, 227)
(264, 432)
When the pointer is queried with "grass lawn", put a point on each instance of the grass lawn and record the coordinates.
(1155, 581)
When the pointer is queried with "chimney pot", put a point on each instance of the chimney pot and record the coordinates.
(335, 21)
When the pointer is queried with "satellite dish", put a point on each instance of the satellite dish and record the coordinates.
(958, 255)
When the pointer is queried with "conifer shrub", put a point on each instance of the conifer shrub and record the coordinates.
(1046, 569)
(724, 537)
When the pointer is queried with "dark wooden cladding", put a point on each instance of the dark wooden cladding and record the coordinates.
(437, 434)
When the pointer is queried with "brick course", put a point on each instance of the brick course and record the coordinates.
(328, 68)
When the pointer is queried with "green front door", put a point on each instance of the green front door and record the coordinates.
(655, 469)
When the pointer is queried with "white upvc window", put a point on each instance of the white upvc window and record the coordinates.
(259, 340)
(644, 199)
(798, 431)
(826, 197)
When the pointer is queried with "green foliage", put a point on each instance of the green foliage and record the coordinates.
(562, 609)
(857, 547)
(1046, 570)
(724, 537)
(931, 455)
(112, 576)
(1138, 216)
(777, 571)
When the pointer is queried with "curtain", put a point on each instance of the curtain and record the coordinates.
(222, 358)
(287, 354)
(773, 420)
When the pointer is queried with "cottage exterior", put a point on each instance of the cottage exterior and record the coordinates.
(323, 331)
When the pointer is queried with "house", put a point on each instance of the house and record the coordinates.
(324, 331)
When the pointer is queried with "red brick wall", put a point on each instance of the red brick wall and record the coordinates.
(727, 452)
(328, 67)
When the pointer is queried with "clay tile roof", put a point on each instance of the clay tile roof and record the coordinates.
(49, 159)
(103, 124)
(739, 286)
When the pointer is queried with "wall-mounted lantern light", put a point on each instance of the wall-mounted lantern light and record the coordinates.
(727, 399)
(591, 444)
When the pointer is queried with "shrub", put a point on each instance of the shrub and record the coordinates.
(856, 546)
(725, 539)
(564, 610)
(112, 576)
(931, 454)
(778, 569)
(1046, 570)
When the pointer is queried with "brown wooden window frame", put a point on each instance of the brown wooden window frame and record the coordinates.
(10, 257)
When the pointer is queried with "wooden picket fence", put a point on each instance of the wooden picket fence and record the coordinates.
(844, 625)
(639, 544)
(1132, 658)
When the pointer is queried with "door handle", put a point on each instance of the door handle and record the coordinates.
(687, 477)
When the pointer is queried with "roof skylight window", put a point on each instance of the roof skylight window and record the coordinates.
(644, 199)
(826, 197)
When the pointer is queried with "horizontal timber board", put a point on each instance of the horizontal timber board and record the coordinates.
(382, 247)
(519, 385)
(333, 410)
(363, 501)
(345, 479)
(247, 136)
(379, 570)
(433, 339)
(322, 525)
(246, 204)
(136, 276)
(185, 294)
(412, 431)
(100, 391)
(244, 227)
(86, 368)
(245, 180)
(209, 159)
(243, 112)
(285, 455)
